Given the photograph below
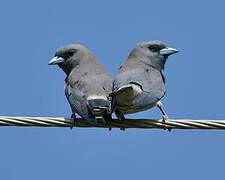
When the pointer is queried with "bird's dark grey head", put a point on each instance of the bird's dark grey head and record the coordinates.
(154, 53)
(69, 56)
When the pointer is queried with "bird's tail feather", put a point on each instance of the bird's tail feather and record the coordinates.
(98, 105)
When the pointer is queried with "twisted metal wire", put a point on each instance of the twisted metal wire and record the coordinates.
(128, 123)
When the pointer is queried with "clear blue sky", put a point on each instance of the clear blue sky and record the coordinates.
(29, 35)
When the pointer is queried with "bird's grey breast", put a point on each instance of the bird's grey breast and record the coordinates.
(90, 82)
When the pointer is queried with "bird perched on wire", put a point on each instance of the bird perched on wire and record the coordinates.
(87, 84)
(140, 84)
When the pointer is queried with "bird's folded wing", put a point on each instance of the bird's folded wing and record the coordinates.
(78, 102)
(150, 81)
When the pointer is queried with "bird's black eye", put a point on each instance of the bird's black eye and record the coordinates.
(71, 52)
(153, 48)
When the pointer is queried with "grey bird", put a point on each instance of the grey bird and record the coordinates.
(87, 84)
(140, 83)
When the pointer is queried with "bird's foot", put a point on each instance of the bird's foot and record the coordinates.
(164, 120)
(73, 116)
(107, 118)
(122, 118)
(122, 128)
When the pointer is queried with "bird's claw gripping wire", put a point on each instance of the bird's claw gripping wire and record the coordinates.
(73, 117)
(165, 116)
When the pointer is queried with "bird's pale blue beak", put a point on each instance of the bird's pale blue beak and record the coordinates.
(56, 60)
(168, 51)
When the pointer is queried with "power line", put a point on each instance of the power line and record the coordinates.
(128, 123)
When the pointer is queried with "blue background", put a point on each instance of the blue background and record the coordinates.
(29, 35)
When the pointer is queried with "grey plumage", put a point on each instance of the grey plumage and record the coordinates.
(87, 84)
(140, 84)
